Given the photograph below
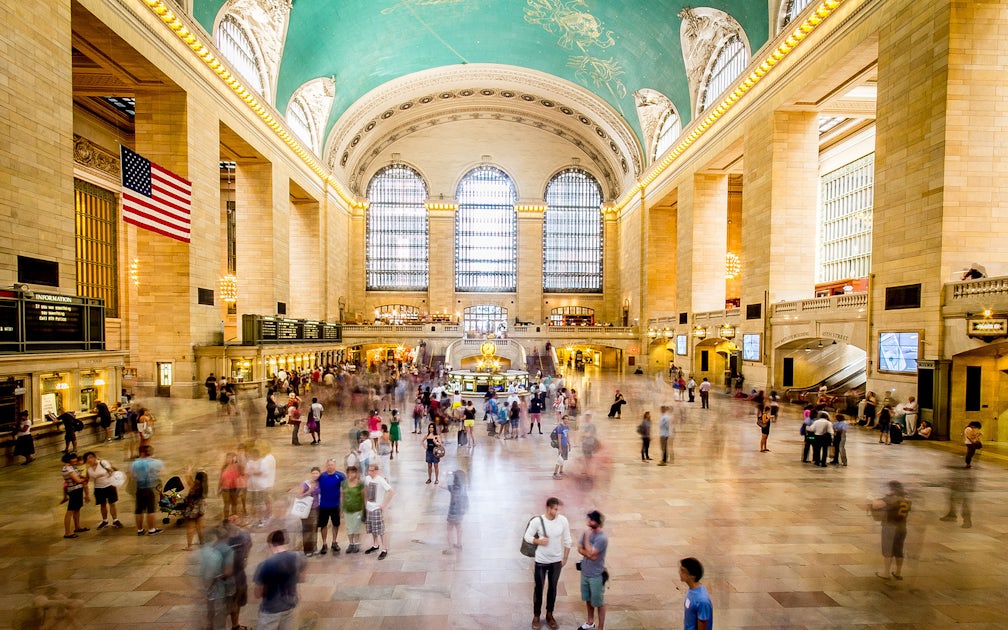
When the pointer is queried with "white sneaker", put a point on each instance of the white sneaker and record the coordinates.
(587, 626)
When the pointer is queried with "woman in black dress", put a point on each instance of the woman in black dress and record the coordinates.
(431, 441)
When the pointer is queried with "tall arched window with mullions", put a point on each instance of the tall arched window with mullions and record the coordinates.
(397, 231)
(572, 233)
(486, 232)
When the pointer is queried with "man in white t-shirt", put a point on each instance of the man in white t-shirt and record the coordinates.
(377, 494)
(261, 474)
(551, 533)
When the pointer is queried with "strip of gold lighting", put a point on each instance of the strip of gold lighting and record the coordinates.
(775, 56)
(205, 53)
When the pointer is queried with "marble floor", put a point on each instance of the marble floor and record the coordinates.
(784, 544)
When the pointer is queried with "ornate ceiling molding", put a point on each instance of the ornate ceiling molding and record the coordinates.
(266, 22)
(611, 172)
(433, 92)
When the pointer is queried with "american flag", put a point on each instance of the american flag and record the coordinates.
(154, 198)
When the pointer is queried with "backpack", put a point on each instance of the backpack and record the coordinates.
(78, 425)
(555, 438)
(640, 429)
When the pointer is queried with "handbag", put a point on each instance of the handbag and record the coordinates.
(978, 444)
(118, 478)
(301, 507)
(527, 548)
(438, 451)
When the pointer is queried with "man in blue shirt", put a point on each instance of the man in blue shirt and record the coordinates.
(592, 547)
(698, 612)
(329, 504)
(563, 447)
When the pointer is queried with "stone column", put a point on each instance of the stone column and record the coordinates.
(36, 163)
(702, 229)
(441, 291)
(779, 204)
(181, 135)
(306, 272)
(263, 237)
(529, 300)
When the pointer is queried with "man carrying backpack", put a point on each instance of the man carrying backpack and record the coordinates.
(560, 440)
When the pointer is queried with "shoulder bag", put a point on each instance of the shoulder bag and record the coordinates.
(527, 548)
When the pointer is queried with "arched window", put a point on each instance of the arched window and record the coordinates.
(396, 256)
(845, 221)
(668, 130)
(572, 233)
(483, 319)
(486, 234)
(236, 46)
(300, 122)
(730, 61)
(790, 10)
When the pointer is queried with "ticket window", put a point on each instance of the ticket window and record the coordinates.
(165, 376)
(241, 370)
(13, 399)
(53, 390)
(92, 389)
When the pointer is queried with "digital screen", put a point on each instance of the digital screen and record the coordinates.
(750, 347)
(898, 352)
(680, 345)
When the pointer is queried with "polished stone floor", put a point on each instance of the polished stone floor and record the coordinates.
(785, 545)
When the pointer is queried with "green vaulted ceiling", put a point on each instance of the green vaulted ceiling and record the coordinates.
(610, 47)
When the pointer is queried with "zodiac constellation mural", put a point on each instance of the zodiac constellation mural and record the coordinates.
(576, 28)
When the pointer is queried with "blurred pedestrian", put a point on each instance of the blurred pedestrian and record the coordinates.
(276, 580)
(457, 508)
(24, 444)
(664, 433)
(76, 488)
(644, 430)
(972, 435)
(217, 573)
(893, 510)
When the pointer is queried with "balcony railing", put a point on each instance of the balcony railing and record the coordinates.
(818, 306)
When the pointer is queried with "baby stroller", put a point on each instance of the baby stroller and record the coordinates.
(171, 502)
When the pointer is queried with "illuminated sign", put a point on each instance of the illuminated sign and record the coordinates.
(988, 327)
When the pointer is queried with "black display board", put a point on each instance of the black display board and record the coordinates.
(44, 322)
(260, 329)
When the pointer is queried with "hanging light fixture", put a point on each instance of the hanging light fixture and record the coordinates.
(229, 289)
(733, 266)
(699, 332)
(652, 334)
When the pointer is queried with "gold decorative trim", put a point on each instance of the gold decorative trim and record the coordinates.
(206, 53)
(699, 128)
(530, 207)
(92, 156)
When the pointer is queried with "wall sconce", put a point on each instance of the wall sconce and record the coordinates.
(652, 334)
(99, 382)
(62, 385)
(726, 331)
(733, 266)
(699, 332)
(134, 272)
(229, 289)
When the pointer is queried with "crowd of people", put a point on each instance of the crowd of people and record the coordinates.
(355, 491)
